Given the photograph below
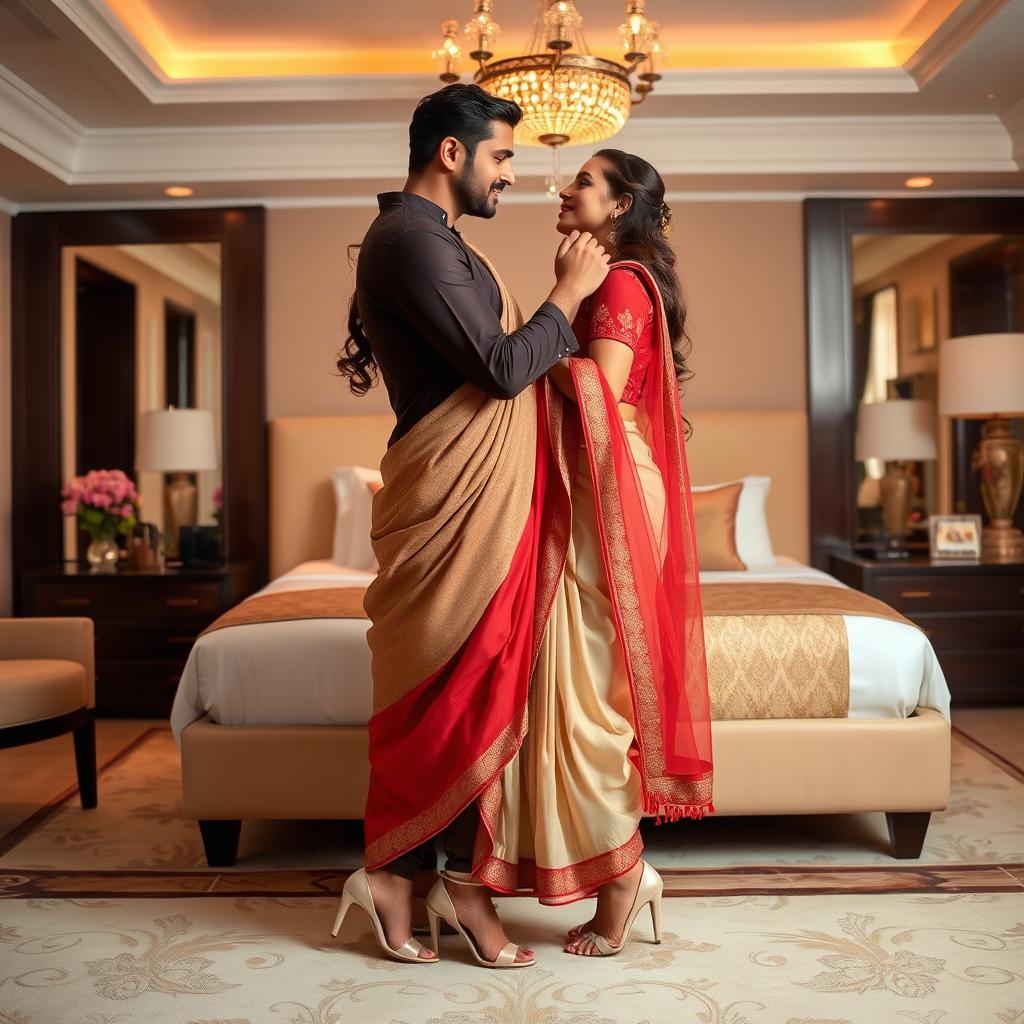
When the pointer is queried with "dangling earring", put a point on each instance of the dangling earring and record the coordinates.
(611, 233)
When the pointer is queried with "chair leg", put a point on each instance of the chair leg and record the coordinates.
(220, 841)
(85, 760)
(906, 832)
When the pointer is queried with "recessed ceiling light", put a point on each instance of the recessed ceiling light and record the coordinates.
(178, 191)
(921, 181)
(991, 96)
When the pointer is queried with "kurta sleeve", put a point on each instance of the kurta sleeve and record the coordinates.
(436, 290)
(621, 308)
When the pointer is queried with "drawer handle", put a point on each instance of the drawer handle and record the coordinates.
(915, 593)
(181, 602)
(181, 639)
(74, 602)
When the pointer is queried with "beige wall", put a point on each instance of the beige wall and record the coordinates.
(5, 414)
(741, 265)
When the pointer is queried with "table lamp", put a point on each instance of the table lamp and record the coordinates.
(981, 376)
(177, 441)
(898, 432)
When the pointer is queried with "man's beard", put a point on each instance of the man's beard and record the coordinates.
(474, 200)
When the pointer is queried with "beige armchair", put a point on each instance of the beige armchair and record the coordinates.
(48, 688)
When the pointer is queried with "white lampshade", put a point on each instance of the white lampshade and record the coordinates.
(173, 440)
(982, 375)
(898, 431)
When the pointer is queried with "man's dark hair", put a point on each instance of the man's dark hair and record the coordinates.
(463, 111)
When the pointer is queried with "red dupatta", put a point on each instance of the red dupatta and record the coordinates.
(655, 594)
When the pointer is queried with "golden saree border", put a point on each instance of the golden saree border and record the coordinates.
(556, 886)
(455, 799)
(691, 796)
(784, 598)
(287, 605)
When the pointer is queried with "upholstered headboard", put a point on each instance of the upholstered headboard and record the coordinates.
(725, 445)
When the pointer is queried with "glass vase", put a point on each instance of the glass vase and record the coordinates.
(102, 554)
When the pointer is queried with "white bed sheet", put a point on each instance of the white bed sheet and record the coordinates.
(317, 671)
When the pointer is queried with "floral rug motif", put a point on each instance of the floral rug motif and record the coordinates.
(840, 959)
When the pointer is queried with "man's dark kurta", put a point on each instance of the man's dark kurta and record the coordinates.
(431, 311)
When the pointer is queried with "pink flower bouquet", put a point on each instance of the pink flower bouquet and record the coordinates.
(105, 502)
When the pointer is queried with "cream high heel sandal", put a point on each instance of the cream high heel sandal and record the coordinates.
(648, 892)
(440, 908)
(357, 891)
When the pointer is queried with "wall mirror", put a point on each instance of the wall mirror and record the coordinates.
(117, 315)
(141, 331)
(888, 280)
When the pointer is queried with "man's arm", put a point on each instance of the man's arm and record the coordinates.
(434, 286)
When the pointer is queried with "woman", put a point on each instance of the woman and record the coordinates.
(619, 720)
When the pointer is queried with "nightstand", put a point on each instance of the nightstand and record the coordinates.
(145, 623)
(972, 612)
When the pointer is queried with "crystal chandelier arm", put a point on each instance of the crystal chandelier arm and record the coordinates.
(448, 53)
(481, 31)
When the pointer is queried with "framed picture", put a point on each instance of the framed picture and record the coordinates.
(920, 317)
(954, 536)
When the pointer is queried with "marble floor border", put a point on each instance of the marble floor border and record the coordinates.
(679, 882)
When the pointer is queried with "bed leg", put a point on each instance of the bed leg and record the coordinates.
(220, 841)
(906, 832)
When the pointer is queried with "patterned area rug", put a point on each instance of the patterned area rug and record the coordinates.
(844, 959)
(139, 827)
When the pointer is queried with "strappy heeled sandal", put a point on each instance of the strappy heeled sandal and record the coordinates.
(648, 892)
(357, 891)
(440, 908)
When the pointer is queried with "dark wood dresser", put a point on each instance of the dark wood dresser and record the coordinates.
(145, 620)
(972, 612)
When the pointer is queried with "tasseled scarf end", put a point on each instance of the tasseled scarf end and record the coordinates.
(673, 812)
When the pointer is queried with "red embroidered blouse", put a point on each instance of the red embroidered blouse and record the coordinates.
(620, 309)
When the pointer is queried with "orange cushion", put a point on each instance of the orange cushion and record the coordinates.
(714, 514)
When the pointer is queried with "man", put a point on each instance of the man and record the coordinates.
(431, 316)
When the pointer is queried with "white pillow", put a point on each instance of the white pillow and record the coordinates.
(753, 541)
(353, 502)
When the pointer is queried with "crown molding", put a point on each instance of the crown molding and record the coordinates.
(1013, 121)
(784, 82)
(37, 129)
(953, 32)
(769, 145)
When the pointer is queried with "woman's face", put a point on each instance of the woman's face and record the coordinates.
(586, 204)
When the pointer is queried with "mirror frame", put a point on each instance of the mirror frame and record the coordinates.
(829, 225)
(37, 240)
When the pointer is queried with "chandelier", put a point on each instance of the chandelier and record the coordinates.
(567, 95)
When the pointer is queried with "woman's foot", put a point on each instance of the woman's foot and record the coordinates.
(614, 900)
(478, 916)
(392, 898)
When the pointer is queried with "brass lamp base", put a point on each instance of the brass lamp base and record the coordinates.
(999, 460)
(181, 508)
(897, 493)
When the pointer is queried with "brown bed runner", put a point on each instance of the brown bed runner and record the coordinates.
(793, 599)
(285, 605)
(717, 598)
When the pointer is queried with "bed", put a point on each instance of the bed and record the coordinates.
(272, 716)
